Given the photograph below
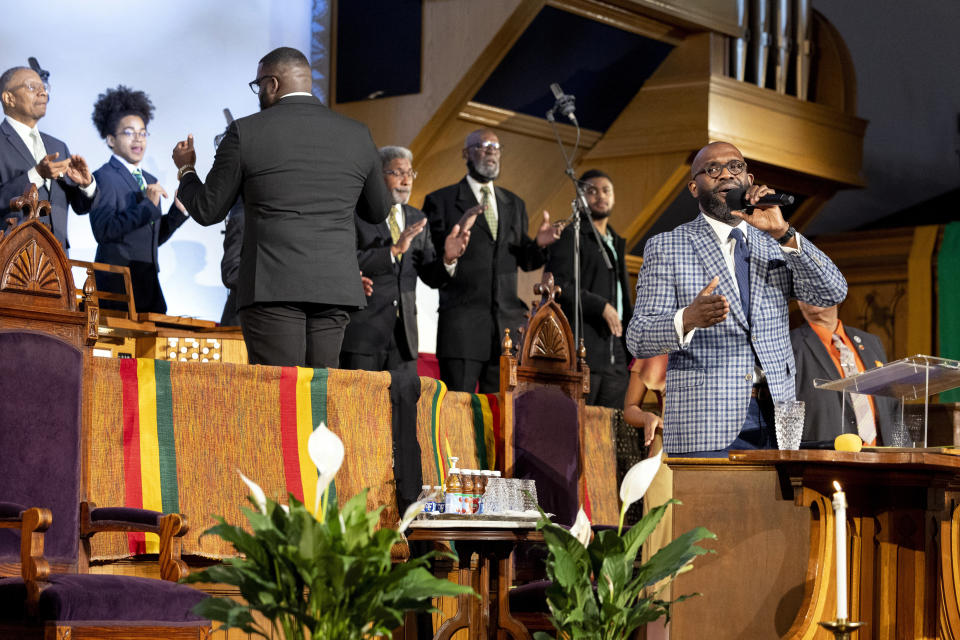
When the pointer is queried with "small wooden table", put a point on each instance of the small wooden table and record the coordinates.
(493, 543)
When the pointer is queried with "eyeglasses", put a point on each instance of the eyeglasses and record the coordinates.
(488, 146)
(137, 135)
(255, 84)
(397, 173)
(32, 87)
(714, 169)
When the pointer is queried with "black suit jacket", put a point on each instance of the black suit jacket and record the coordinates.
(482, 295)
(15, 161)
(394, 286)
(598, 286)
(823, 408)
(129, 229)
(302, 171)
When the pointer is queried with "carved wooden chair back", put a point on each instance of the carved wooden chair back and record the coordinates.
(542, 387)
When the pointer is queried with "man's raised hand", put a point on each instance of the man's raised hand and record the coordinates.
(406, 237)
(707, 309)
(183, 153)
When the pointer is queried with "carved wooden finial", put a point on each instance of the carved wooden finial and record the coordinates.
(546, 289)
(30, 204)
(507, 343)
(582, 351)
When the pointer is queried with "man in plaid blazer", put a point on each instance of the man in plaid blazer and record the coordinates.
(728, 361)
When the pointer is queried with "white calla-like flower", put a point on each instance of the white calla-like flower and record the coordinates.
(259, 497)
(581, 528)
(638, 479)
(326, 451)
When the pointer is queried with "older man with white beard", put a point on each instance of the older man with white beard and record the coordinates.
(480, 301)
(383, 335)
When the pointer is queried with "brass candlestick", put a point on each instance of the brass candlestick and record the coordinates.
(841, 628)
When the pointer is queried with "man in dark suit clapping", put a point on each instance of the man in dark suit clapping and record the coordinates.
(29, 156)
(302, 171)
(383, 336)
(480, 301)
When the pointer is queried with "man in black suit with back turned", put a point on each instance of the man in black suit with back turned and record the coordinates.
(302, 171)
(29, 156)
(383, 336)
(480, 301)
(604, 291)
(825, 348)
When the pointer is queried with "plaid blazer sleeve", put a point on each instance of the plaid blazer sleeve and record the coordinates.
(651, 331)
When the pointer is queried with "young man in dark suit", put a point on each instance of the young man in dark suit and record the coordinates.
(125, 217)
(383, 336)
(302, 171)
(826, 349)
(480, 301)
(29, 156)
(604, 292)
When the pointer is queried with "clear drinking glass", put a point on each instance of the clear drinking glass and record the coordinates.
(788, 423)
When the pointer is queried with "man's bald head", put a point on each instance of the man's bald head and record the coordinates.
(282, 71)
(711, 151)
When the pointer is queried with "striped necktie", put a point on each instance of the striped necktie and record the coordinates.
(866, 425)
(139, 177)
(488, 213)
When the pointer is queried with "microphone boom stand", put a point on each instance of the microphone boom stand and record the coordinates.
(578, 207)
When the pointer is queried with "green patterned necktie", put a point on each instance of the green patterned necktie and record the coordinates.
(488, 211)
(140, 181)
(394, 226)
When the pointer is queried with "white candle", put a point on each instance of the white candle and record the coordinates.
(840, 518)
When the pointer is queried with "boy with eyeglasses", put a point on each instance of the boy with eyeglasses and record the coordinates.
(28, 155)
(126, 217)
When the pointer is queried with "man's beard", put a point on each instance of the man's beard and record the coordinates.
(483, 174)
(400, 197)
(600, 215)
(714, 204)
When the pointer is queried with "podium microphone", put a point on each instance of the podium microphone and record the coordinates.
(563, 104)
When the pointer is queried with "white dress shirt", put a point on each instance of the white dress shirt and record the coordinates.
(475, 187)
(26, 134)
(727, 246)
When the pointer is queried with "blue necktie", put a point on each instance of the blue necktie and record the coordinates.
(741, 267)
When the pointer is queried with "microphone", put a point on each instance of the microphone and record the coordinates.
(563, 104)
(43, 73)
(217, 139)
(735, 200)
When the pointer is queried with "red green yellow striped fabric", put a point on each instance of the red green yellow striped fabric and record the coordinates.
(149, 451)
(303, 406)
(438, 457)
(486, 428)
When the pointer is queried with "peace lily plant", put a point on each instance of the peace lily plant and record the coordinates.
(598, 591)
(321, 573)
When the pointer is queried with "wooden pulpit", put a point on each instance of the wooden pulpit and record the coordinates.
(773, 573)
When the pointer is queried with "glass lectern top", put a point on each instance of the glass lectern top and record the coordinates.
(910, 378)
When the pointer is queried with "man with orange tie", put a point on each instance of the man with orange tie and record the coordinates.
(824, 348)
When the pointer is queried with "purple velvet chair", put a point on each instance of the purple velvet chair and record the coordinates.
(542, 390)
(40, 459)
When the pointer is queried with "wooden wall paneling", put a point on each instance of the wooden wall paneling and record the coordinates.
(472, 78)
(624, 19)
(462, 43)
(920, 317)
(875, 266)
